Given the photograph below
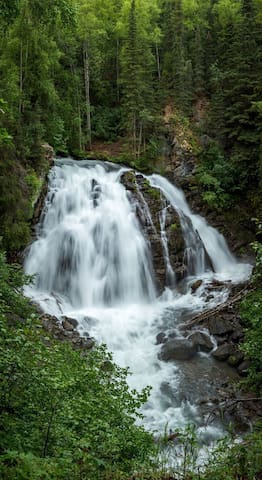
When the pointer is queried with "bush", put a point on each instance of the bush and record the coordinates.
(63, 413)
(217, 177)
(106, 123)
(251, 311)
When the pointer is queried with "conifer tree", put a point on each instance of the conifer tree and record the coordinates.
(173, 47)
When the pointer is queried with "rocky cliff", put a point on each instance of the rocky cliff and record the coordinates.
(161, 226)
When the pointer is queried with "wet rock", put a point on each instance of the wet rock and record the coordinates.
(178, 349)
(161, 338)
(65, 332)
(196, 285)
(148, 205)
(224, 351)
(218, 325)
(201, 340)
(83, 343)
(172, 335)
(244, 367)
(91, 321)
(69, 323)
(236, 335)
(217, 284)
(96, 192)
(221, 339)
(235, 359)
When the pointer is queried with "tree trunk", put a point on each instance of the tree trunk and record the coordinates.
(117, 72)
(140, 139)
(158, 63)
(87, 91)
(134, 134)
(48, 431)
(21, 80)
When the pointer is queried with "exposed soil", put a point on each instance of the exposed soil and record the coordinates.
(109, 150)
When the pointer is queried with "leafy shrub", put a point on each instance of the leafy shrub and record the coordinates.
(217, 177)
(63, 413)
(251, 311)
(239, 461)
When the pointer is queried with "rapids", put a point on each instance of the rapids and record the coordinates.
(91, 262)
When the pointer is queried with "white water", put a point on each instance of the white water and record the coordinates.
(223, 262)
(171, 276)
(92, 263)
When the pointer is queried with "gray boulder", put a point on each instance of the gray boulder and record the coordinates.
(178, 349)
(202, 341)
(224, 351)
(69, 324)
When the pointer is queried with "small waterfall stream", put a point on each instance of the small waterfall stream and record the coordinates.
(92, 263)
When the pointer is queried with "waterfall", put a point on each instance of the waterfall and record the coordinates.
(171, 276)
(205, 247)
(91, 262)
(90, 249)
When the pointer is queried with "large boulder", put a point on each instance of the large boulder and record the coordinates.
(219, 325)
(224, 351)
(196, 285)
(202, 340)
(178, 349)
(69, 324)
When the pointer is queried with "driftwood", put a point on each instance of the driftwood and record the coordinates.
(200, 317)
(219, 410)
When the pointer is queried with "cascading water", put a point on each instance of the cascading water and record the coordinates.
(171, 276)
(205, 246)
(93, 264)
(90, 249)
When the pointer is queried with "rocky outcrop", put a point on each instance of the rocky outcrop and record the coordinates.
(223, 323)
(65, 331)
(180, 167)
(149, 205)
(48, 155)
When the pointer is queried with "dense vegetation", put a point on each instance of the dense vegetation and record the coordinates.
(69, 414)
(63, 414)
(76, 73)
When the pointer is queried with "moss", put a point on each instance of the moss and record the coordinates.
(34, 184)
(173, 227)
(151, 191)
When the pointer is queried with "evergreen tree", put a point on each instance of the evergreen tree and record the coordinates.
(173, 49)
(239, 87)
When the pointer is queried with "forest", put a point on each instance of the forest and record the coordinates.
(93, 79)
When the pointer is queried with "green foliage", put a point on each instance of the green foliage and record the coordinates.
(235, 461)
(63, 413)
(15, 201)
(251, 311)
(217, 177)
(106, 123)
(34, 184)
(5, 138)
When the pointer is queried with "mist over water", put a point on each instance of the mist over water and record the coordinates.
(92, 263)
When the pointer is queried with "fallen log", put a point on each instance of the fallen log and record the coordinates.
(201, 317)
